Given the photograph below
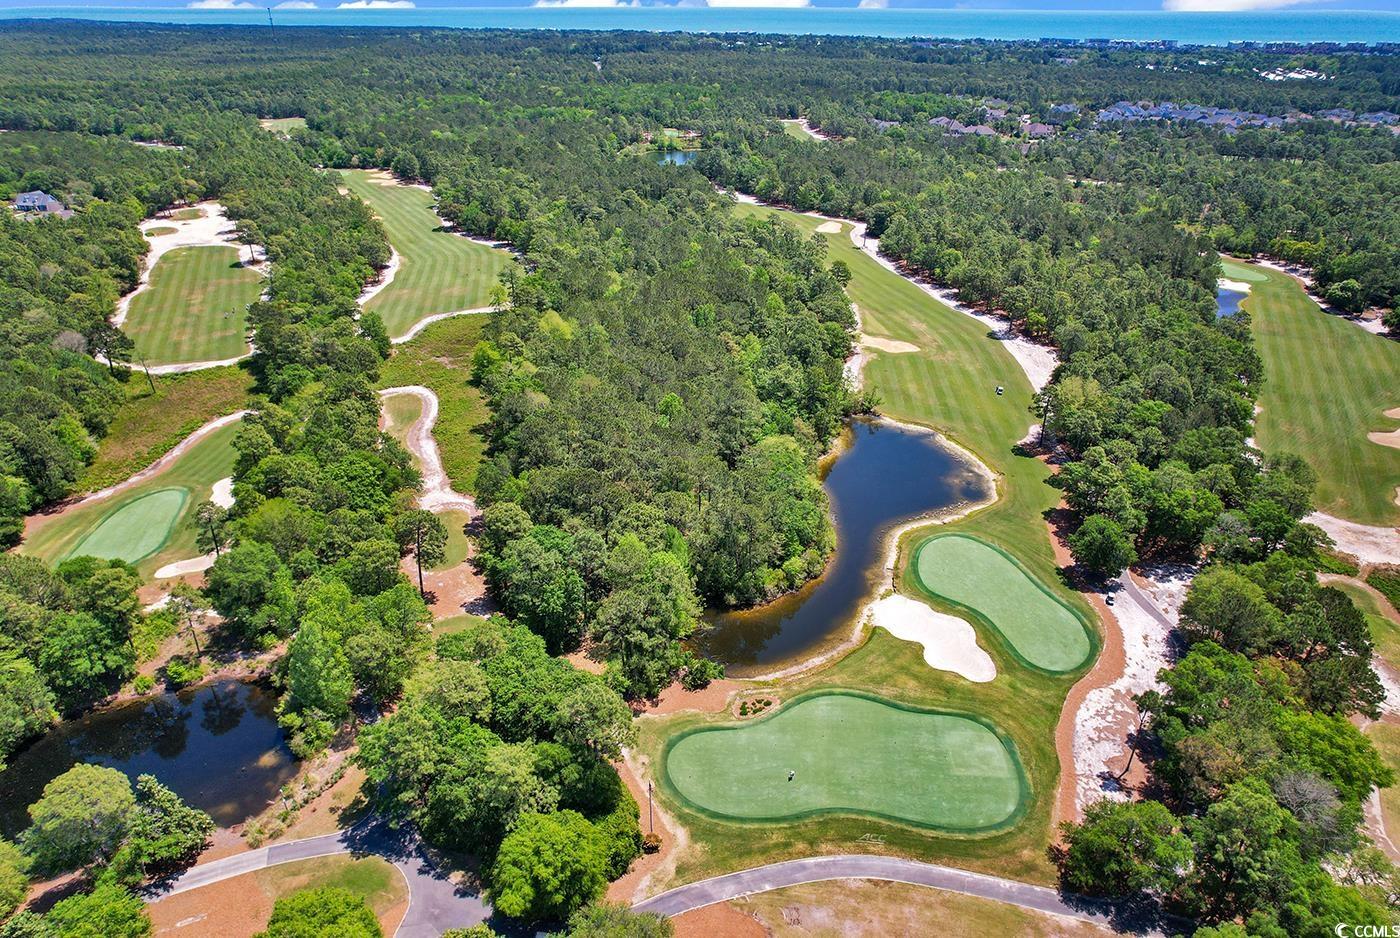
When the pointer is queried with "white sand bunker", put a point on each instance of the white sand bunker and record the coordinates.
(887, 345)
(829, 227)
(222, 494)
(1238, 286)
(1387, 437)
(950, 644)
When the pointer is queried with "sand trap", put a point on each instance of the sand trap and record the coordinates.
(222, 495)
(950, 643)
(386, 277)
(1367, 543)
(1386, 438)
(829, 227)
(211, 229)
(893, 346)
(1238, 286)
(437, 493)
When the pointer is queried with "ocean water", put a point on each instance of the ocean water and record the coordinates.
(1199, 28)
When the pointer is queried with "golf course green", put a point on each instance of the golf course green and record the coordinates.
(971, 574)
(851, 753)
(147, 523)
(136, 529)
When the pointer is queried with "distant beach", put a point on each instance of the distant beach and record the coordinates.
(1189, 28)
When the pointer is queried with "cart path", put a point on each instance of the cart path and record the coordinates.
(435, 903)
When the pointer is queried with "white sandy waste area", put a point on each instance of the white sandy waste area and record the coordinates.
(950, 643)
(1108, 715)
(211, 229)
(1238, 286)
(1367, 543)
(437, 494)
(829, 227)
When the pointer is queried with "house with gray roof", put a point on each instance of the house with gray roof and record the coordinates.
(40, 203)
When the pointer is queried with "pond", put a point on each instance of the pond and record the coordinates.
(218, 746)
(1227, 301)
(676, 157)
(885, 474)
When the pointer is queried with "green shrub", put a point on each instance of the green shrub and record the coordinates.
(183, 670)
(1387, 581)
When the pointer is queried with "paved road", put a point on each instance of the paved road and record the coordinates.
(856, 866)
(434, 903)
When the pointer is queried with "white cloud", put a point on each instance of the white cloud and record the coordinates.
(220, 5)
(296, 5)
(1226, 6)
(378, 5)
(585, 3)
(786, 4)
(873, 4)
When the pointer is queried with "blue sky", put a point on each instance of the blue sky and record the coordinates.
(1048, 6)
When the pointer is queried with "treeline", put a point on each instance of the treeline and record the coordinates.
(1261, 775)
(59, 282)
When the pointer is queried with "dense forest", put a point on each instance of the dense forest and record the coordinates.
(662, 380)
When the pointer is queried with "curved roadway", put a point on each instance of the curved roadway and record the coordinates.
(436, 904)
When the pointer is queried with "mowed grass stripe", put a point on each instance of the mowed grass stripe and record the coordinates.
(1328, 384)
(438, 271)
(195, 308)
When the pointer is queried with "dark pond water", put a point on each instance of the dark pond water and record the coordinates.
(677, 157)
(1227, 302)
(885, 475)
(218, 746)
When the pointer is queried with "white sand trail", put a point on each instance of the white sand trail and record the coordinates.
(437, 494)
(950, 643)
(1238, 286)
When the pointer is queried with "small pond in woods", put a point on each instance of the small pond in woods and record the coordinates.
(217, 745)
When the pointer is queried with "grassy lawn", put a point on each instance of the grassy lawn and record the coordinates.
(438, 271)
(147, 524)
(853, 908)
(374, 878)
(439, 358)
(850, 753)
(163, 230)
(1329, 384)
(455, 624)
(187, 214)
(457, 541)
(948, 385)
(282, 125)
(149, 424)
(968, 574)
(794, 129)
(195, 308)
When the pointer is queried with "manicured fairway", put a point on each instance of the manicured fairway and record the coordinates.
(147, 524)
(136, 529)
(852, 754)
(976, 576)
(438, 271)
(195, 308)
(1328, 384)
(282, 125)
